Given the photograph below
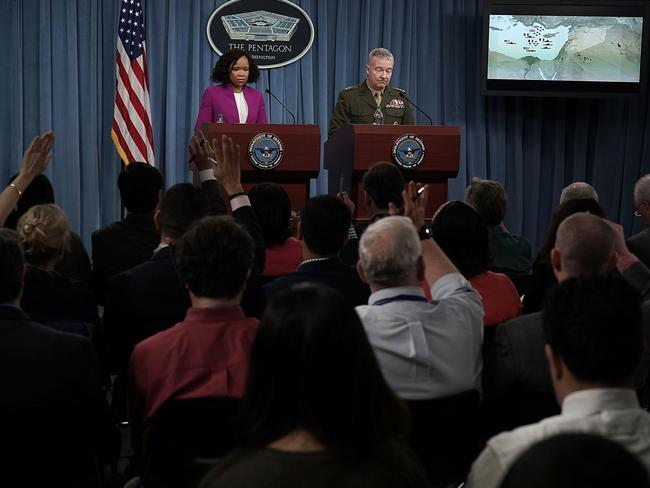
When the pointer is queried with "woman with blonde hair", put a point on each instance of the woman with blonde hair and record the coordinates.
(50, 297)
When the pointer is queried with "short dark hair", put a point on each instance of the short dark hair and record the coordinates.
(463, 236)
(12, 264)
(221, 70)
(273, 209)
(214, 257)
(140, 185)
(594, 324)
(384, 183)
(38, 192)
(181, 206)
(294, 382)
(576, 460)
(325, 222)
(489, 198)
(562, 211)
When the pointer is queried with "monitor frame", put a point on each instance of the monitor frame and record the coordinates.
(589, 89)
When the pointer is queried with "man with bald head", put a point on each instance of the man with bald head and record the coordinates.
(578, 190)
(516, 367)
(639, 243)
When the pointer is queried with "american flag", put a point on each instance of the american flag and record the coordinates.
(131, 132)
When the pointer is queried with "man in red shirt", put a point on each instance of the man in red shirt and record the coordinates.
(207, 353)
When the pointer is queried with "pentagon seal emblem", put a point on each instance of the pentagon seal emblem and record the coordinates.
(265, 151)
(408, 151)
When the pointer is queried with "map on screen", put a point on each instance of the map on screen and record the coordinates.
(564, 48)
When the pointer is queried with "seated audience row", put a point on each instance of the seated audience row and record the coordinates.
(57, 428)
(180, 317)
(594, 342)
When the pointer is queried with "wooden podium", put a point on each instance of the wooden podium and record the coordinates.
(300, 160)
(353, 148)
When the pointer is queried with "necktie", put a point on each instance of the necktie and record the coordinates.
(378, 98)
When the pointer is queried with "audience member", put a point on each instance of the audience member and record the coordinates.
(48, 296)
(515, 367)
(383, 184)
(150, 297)
(543, 277)
(324, 224)
(56, 423)
(594, 341)
(639, 243)
(35, 160)
(463, 236)
(126, 243)
(576, 461)
(510, 253)
(576, 191)
(75, 262)
(425, 349)
(273, 209)
(317, 411)
(207, 353)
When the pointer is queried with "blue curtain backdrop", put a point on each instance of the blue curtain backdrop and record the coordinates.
(59, 74)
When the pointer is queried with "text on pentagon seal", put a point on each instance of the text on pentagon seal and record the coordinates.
(265, 151)
(408, 151)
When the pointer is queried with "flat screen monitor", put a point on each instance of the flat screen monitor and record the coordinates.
(578, 49)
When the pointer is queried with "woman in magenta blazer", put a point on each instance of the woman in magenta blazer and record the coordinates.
(232, 99)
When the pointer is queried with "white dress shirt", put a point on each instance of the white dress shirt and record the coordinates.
(613, 413)
(242, 107)
(427, 349)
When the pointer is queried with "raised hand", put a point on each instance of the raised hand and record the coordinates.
(202, 155)
(37, 156)
(227, 169)
(415, 203)
(343, 195)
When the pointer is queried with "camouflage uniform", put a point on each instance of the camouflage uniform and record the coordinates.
(356, 105)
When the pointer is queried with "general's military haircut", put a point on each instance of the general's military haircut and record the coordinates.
(356, 105)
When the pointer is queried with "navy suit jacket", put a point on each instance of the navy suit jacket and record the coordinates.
(332, 272)
(120, 246)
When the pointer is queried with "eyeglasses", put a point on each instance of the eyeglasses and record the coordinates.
(636, 210)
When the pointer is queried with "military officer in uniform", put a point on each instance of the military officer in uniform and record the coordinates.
(373, 101)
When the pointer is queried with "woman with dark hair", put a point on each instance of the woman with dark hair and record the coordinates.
(463, 236)
(273, 209)
(232, 101)
(317, 411)
(543, 278)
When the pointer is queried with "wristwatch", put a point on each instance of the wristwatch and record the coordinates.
(425, 232)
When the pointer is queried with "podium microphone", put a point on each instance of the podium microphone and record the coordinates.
(285, 107)
(401, 94)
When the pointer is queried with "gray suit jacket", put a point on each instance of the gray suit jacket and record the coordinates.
(639, 244)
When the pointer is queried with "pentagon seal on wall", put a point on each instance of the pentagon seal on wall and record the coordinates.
(273, 32)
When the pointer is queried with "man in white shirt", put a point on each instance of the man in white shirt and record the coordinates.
(594, 341)
(425, 349)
